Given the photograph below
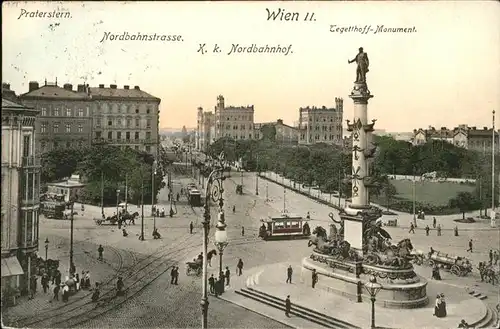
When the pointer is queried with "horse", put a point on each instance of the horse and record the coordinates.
(210, 254)
(321, 236)
(129, 217)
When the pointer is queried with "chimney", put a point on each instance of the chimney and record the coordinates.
(126, 87)
(68, 86)
(101, 86)
(33, 85)
(137, 88)
(80, 88)
(5, 86)
(112, 86)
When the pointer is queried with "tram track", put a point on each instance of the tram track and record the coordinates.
(82, 302)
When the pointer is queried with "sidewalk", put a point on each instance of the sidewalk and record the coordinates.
(84, 257)
(271, 279)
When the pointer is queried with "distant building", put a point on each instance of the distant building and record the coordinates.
(69, 188)
(20, 198)
(236, 122)
(204, 129)
(321, 124)
(284, 133)
(87, 115)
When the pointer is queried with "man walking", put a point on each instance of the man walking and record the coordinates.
(289, 272)
(45, 282)
(211, 284)
(100, 250)
(242, 231)
(239, 267)
(470, 246)
(227, 275)
(191, 226)
(439, 230)
(172, 275)
(434, 222)
(314, 278)
(288, 306)
(427, 229)
(412, 228)
(495, 257)
(176, 275)
(491, 256)
(56, 292)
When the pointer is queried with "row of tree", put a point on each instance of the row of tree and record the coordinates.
(106, 169)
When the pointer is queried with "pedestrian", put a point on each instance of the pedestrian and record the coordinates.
(45, 282)
(176, 275)
(56, 292)
(82, 280)
(172, 275)
(412, 228)
(456, 230)
(234, 209)
(227, 275)
(58, 277)
(427, 229)
(434, 222)
(491, 256)
(495, 257)
(443, 306)
(242, 231)
(314, 278)
(211, 284)
(288, 306)
(437, 307)
(463, 324)
(239, 267)
(191, 226)
(65, 296)
(119, 286)
(470, 246)
(87, 279)
(77, 281)
(439, 230)
(481, 268)
(100, 250)
(289, 272)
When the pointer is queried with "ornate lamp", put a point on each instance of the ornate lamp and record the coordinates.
(373, 287)
(221, 241)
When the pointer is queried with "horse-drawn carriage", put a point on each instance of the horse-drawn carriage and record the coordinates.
(194, 267)
(113, 220)
(460, 266)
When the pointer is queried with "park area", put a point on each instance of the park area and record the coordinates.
(427, 192)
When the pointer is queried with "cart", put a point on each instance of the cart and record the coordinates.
(460, 266)
(193, 268)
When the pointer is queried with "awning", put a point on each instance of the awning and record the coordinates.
(11, 267)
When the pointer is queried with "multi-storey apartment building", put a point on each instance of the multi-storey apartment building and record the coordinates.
(125, 117)
(284, 133)
(20, 198)
(76, 117)
(321, 124)
(65, 115)
(236, 122)
(204, 129)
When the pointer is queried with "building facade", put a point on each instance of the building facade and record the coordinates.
(84, 116)
(204, 129)
(236, 122)
(20, 198)
(65, 118)
(321, 124)
(125, 117)
(284, 133)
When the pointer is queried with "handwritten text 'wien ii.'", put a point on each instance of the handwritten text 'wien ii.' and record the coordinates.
(283, 15)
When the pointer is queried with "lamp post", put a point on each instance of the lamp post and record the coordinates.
(117, 202)
(221, 242)
(257, 178)
(153, 212)
(141, 237)
(373, 287)
(214, 191)
(71, 265)
(493, 215)
(46, 248)
(267, 192)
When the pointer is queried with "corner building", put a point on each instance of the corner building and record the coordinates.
(321, 124)
(236, 122)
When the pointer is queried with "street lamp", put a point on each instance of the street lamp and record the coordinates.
(257, 177)
(46, 248)
(221, 243)
(117, 202)
(153, 212)
(373, 287)
(214, 191)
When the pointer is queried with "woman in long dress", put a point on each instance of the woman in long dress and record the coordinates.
(443, 306)
(437, 307)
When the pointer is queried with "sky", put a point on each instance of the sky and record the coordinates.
(444, 74)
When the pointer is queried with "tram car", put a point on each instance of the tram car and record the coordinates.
(194, 196)
(53, 209)
(284, 227)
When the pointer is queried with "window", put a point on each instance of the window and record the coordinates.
(68, 128)
(119, 135)
(110, 135)
(147, 111)
(148, 135)
(56, 127)
(97, 122)
(136, 147)
(80, 128)
(148, 123)
(110, 122)
(44, 112)
(80, 112)
(26, 146)
(136, 111)
(43, 127)
(127, 135)
(148, 148)
(129, 122)
(136, 135)
(56, 112)
(119, 122)
(137, 122)
(98, 135)
(68, 112)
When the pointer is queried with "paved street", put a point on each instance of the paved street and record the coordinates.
(165, 305)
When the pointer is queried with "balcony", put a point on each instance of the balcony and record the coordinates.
(31, 162)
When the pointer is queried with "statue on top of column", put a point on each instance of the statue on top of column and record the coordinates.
(362, 60)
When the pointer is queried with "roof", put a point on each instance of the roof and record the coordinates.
(10, 104)
(52, 91)
(121, 93)
(68, 184)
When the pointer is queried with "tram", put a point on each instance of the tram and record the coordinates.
(53, 209)
(194, 198)
(284, 227)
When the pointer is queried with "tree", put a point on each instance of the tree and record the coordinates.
(464, 201)
(389, 191)
(268, 132)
